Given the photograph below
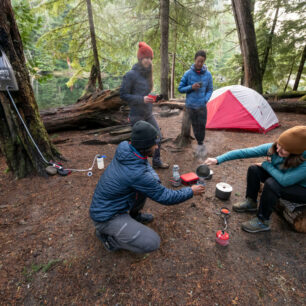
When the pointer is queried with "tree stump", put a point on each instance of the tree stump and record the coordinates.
(184, 139)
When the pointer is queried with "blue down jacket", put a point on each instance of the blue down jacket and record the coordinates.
(196, 98)
(133, 89)
(128, 173)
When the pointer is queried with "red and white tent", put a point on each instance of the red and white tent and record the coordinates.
(239, 107)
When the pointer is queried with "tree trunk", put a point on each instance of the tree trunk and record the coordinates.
(240, 40)
(300, 71)
(164, 29)
(172, 76)
(95, 73)
(245, 26)
(21, 155)
(289, 76)
(101, 109)
(269, 43)
(184, 138)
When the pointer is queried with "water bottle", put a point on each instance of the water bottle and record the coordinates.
(100, 161)
(176, 176)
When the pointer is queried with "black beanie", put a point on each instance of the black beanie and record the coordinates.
(144, 135)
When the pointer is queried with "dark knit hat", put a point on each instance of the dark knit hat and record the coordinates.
(293, 140)
(144, 135)
(144, 51)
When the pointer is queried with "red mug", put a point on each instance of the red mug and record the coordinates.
(153, 97)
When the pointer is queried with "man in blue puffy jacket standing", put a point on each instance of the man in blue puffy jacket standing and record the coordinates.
(122, 191)
(197, 83)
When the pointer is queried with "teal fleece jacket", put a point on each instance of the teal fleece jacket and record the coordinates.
(285, 177)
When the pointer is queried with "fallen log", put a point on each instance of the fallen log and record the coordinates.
(108, 139)
(100, 109)
(284, 95)
(286, 105)
(289, 106)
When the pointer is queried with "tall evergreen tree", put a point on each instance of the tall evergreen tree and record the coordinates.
(245, 26)
(21, 155)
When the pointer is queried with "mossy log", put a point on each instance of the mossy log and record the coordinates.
(100, 109)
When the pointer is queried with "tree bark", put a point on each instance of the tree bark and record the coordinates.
(245, 26)
(300, 71)
(239, 39)
(164, 29)
(100, 109)
(95, 73)
(289, 76)
(172, 76)
(269, 43)
(184, 138)
(21, 156)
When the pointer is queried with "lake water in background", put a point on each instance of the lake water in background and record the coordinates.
(54, 92)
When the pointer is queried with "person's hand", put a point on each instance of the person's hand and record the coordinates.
(258, 164)
(211, 161)
(198, 189)
(196, 86)
(147, 100)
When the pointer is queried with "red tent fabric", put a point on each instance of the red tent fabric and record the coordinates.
(239, 107)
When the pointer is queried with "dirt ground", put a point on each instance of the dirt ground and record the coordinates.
(50, 255)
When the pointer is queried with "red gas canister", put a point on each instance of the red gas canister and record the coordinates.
(222, 238)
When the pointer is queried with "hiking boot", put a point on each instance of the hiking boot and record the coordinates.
(248, 205)
(160, 165)
(256, 225)
(105, 241)
(200, 151)
(144, 218)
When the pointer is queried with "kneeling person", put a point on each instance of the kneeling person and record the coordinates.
(122, 191)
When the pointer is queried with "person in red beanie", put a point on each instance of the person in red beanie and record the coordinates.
(135, 88)
(283, 175)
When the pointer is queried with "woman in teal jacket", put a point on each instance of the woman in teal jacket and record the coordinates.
(283, 174)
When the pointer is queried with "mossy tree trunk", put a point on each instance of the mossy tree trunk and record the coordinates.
(21, 156)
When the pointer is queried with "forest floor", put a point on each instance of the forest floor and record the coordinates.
(50, 255)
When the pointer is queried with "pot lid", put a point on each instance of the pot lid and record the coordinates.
(224, 187)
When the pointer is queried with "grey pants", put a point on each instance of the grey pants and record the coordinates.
(126, 233)
(151, 120)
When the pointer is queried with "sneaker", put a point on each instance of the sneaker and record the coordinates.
(248, 205)
(106, 243)
(144, 218)
(161, 165)
(256, 225)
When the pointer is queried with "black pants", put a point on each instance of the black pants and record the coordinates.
(139, 204)
(272, 191)
(198, 118)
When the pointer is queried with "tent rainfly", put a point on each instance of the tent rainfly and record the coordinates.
(239, 107)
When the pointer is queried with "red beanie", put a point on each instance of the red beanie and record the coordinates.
(144, 51)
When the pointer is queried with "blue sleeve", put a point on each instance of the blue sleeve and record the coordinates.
(150, 186)
(258, 151)
(286, 177)
(209, 89)
(126, 89)
(184, 87)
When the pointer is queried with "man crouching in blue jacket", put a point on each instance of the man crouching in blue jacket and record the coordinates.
(122, 191)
